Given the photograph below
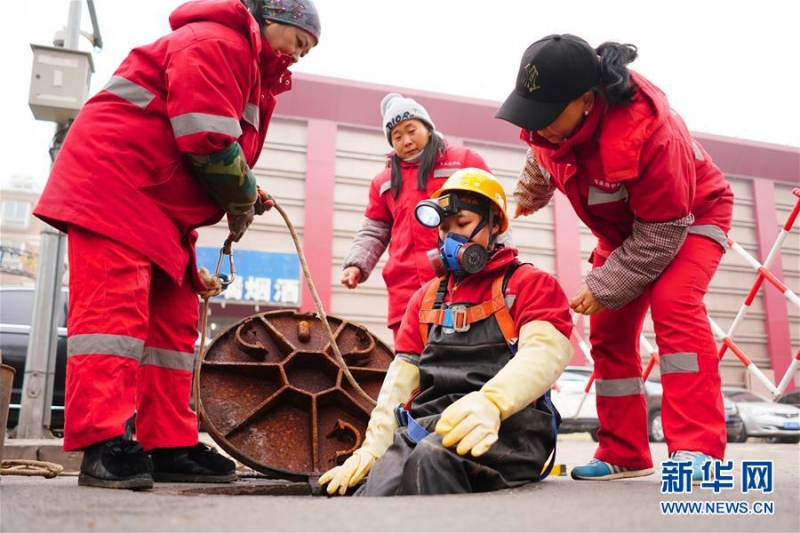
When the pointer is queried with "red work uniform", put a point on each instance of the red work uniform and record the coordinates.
(634, 175)
(122, 191)
(454, 363)
(408, 267)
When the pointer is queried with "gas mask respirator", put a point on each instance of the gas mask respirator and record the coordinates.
(455, 253)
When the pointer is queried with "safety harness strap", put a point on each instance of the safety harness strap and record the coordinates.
(459, 317)
(431, 312)
(428, 300)
(404, 419)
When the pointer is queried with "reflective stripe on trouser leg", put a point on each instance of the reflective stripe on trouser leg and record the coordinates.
(164, 383)
(109, 286)
(621, 407)
(691, 407)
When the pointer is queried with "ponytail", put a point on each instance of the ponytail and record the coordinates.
(618, 87)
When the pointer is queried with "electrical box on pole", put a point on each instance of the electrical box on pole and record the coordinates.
(59, 82)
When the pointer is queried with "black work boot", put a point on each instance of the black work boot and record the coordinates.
(192, 464)
(116, 463)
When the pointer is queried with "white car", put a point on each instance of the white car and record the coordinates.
(578, 410)
(764, 418)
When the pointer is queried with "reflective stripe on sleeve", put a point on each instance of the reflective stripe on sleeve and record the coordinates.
(679, 363)
(251, 115)
(104, 344)
(619, 387)
(698, 154)
(712, 232)
(129, 91)
(190, 123)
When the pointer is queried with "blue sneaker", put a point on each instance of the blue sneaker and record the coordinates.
(697, 459)
(602, 471)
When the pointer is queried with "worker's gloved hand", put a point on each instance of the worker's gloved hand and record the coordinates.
(238, 224)
(264, 202)
(402, 377)
(341, 478)
(472, 422)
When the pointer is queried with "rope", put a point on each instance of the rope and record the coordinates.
(320, 311)
(24, 467)
(198, 362)
(214, 288)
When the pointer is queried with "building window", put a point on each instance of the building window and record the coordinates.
(16, 213)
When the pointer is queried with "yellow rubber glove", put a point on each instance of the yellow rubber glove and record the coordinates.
(473, 422)
(401, 379)
(340, 478)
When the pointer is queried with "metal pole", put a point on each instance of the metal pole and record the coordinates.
(40, 363)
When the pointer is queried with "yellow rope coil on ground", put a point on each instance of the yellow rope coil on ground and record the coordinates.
(25, 467)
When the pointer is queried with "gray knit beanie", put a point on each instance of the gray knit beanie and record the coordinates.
(300, 13)
(396, 109)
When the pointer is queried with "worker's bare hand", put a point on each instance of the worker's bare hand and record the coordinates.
(520, 210)
(585, 303)
(351, 276)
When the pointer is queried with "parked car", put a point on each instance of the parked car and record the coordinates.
(569, 390)
(574, 380)
(653, 391)
(790, 398)
(764, 418)
(567, 394)
(16, 312)
(734, 425)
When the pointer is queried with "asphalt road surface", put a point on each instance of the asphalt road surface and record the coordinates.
(556, 504)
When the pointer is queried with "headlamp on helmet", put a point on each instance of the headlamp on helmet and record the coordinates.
(431, 213)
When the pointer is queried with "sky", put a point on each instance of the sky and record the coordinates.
(729, 67)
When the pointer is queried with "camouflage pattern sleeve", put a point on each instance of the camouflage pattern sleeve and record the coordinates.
(227, 178)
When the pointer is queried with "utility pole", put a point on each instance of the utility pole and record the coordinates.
(40, 363)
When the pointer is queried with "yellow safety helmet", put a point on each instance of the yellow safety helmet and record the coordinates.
(480, 182)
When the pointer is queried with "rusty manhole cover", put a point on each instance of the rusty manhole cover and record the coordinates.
(273, 396)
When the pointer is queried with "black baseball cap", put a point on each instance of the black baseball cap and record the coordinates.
(553, 72)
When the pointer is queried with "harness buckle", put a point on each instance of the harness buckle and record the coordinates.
(460, 321)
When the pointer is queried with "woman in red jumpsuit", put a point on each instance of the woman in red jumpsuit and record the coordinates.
(164, 148)
(421, 162)
(477, 353)
(606, 138)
